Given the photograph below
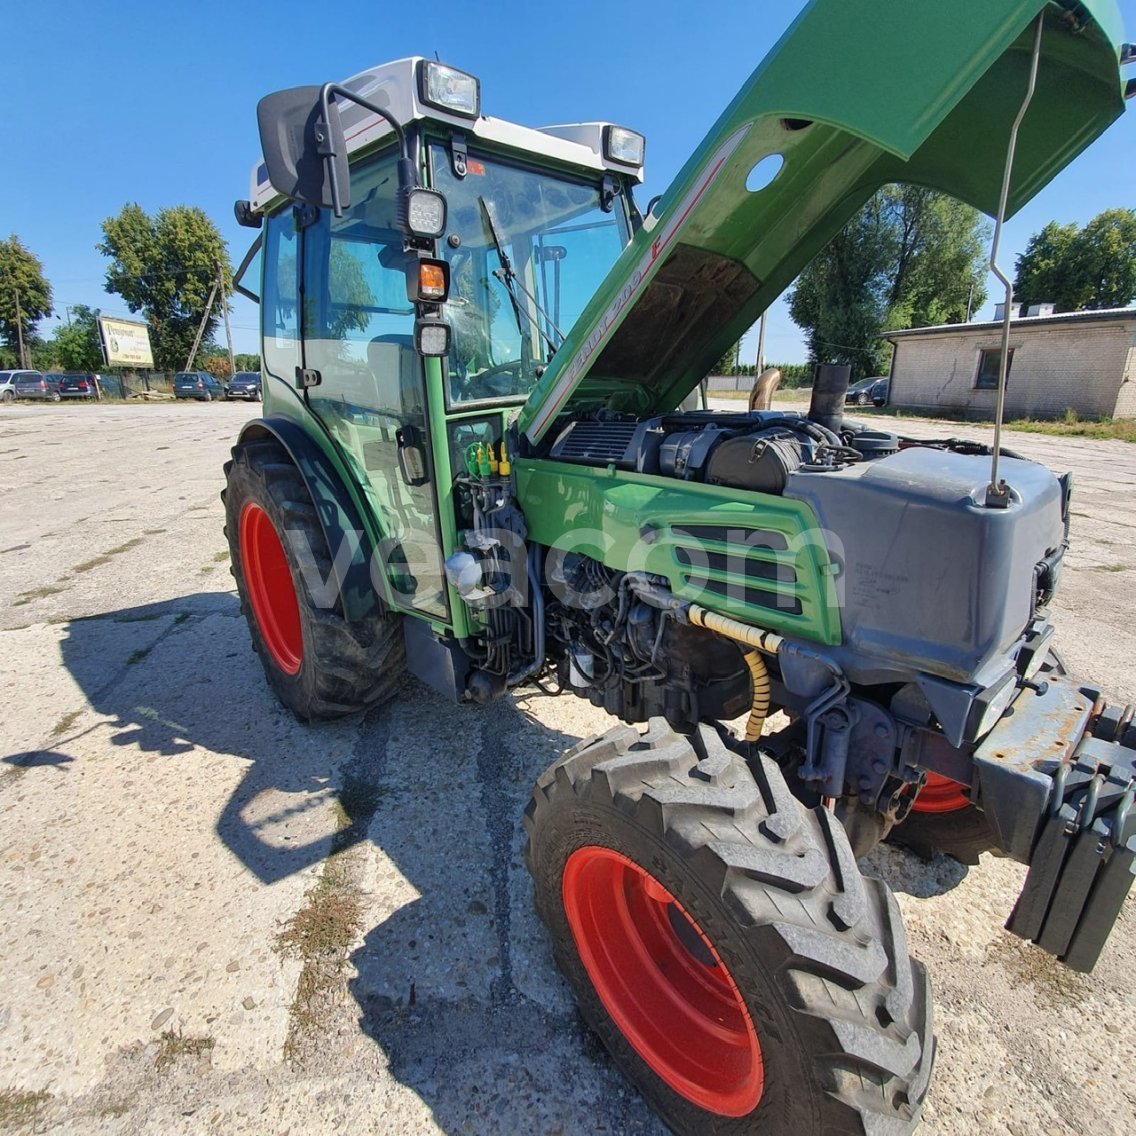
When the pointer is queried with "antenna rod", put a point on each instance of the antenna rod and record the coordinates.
(997, 492)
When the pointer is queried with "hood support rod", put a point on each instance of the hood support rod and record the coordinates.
(998, 492)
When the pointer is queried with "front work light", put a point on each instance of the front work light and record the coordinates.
(426, 212)
(432, 337)
(623, 146)
(446, 88)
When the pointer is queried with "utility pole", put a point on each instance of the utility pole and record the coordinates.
(201, 326)
(228, 330)
(761, 343)
(20, 331)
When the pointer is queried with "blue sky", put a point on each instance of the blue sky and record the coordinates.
(155, 103)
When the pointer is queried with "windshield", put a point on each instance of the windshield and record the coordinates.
(527, 250)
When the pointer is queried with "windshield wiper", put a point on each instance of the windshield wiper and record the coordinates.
(511, 282)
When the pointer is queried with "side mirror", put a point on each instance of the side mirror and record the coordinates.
(411, 456)
(296, 140)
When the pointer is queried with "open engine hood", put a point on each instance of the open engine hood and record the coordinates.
(858, 94)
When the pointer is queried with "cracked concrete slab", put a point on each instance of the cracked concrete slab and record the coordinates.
(161, 820)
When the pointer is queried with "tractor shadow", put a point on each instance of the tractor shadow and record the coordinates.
(454, 980)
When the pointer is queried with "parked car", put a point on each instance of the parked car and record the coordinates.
(244, 384)
(200, 385)
(31, 384)
(879, 391)
(78, 386)
(53, 379)
(9, 379)
(860, 394)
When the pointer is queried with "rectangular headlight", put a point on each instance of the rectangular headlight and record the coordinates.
(448, 89)
(623, 146)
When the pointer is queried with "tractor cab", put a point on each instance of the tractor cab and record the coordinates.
(414, 297)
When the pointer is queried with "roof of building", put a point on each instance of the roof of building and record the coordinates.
(1101, 315)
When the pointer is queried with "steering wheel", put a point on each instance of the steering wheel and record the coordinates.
(499, 381)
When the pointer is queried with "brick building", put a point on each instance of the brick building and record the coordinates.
(1083, 361)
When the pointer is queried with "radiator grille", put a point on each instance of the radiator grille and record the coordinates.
(597, 443)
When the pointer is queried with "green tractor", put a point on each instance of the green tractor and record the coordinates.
(474, 465)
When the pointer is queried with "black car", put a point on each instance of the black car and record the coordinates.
(246, 385)
(879, 391)
(860, 394)
(200, 385)
(78, 386)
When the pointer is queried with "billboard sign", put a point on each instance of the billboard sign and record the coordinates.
(126, 343)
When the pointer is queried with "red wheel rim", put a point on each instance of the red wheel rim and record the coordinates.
(270, 589)
(682, 1013)
(940, 795)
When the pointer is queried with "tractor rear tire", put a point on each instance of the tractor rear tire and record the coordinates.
(942, 819)
(722, 943)
(318, 663)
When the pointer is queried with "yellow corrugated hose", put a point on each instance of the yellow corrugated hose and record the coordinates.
(759, 711)
(751, 637)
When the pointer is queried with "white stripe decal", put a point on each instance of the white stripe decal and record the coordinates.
(601, 333)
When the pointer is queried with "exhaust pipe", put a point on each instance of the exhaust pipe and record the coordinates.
(830, 385)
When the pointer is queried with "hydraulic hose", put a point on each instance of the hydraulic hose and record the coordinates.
(759, 711)
(758, 641)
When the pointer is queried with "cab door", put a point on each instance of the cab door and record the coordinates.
(357, 329)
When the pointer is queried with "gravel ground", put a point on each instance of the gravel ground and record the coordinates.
(167, 833)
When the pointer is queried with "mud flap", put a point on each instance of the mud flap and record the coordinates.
(1085, 856)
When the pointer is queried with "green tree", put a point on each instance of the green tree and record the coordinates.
(24, 290)
(1044, 270)
(165, 266)
(247, 362)
(728, 364)
(77, 346)
(1081, 268)
(910, 258)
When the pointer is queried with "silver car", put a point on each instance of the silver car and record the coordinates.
(9, 381)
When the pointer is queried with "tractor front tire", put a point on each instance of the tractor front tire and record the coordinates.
(318, 663)
(722, 943)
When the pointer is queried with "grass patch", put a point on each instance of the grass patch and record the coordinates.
(94, 562)
(220, 557)
(207, 569)
(20, 1109)
(65, 723)
(105, 557)
(174, 1047)
(1120, 429)
(134, 542)
(1029, 966)
(113, 1109)
(39, 594)
(1112, 567)
(321, 933)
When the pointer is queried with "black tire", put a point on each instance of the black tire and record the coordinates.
(343, 666)
(964, 834)
(863, 398)
(9, 396)
(816, 951)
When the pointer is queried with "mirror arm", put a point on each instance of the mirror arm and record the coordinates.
(405, 169)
